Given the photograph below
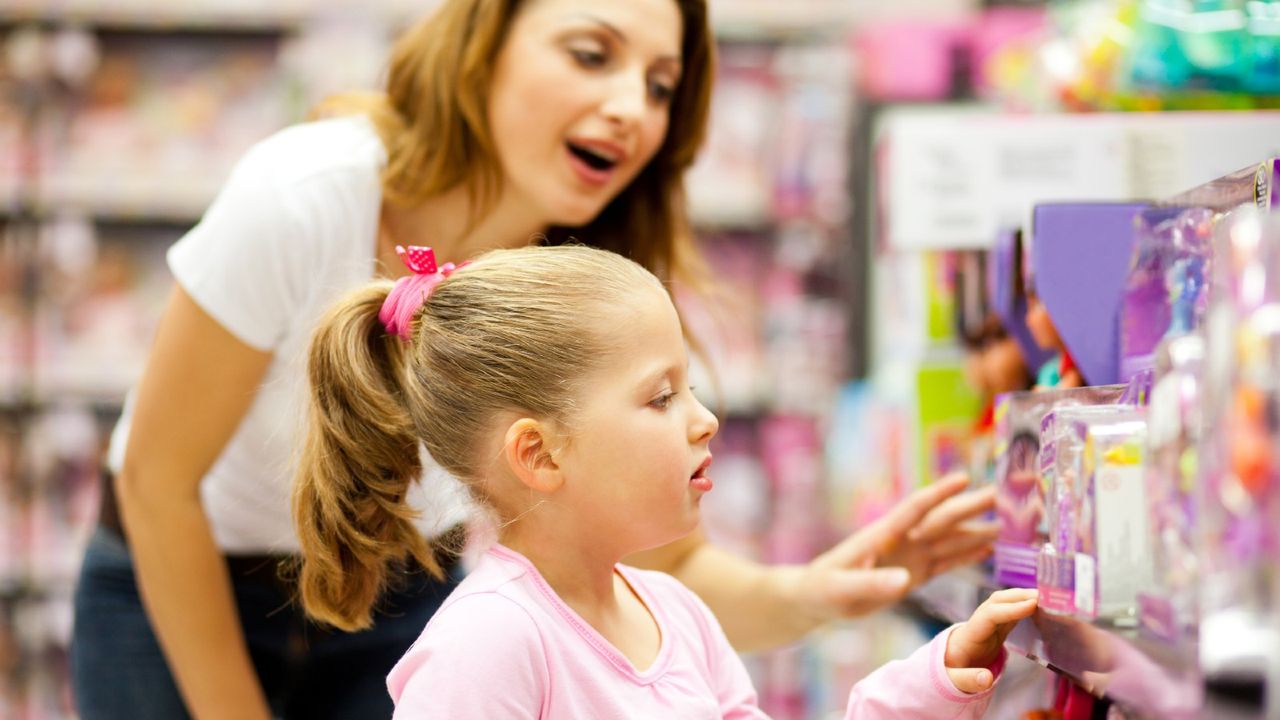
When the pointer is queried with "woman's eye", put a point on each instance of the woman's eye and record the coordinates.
(588, 57)
(662, 92)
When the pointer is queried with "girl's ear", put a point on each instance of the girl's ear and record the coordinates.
(528, 454)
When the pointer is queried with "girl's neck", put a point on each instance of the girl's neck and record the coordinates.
(588, 582)
(581, 577)
(446, 224)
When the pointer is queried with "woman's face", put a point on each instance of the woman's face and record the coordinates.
(580, 99)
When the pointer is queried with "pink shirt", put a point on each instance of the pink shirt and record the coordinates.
(505, 646)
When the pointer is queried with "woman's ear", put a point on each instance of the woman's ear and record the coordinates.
(528, 453)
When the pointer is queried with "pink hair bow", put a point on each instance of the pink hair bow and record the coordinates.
(412, 291)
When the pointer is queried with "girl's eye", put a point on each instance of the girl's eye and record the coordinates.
(662, 402)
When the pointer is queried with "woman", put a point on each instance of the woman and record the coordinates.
(504, 123)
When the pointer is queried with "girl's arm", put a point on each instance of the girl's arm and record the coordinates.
(198, 384)
(762, 606)
(954, 675)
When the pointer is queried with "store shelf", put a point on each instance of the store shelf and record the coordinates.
(205, 15)
(732, 19)
(771, 19)
(148, 14)
(138, 196)
(1152, 677)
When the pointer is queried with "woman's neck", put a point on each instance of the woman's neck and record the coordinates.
(446, 224)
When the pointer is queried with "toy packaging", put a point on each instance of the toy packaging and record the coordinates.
(1165, 291)
(1020, 500)
(1254, 185)
(1114, 560)
(1063, 432)
(1236, 494)
(1173, 434)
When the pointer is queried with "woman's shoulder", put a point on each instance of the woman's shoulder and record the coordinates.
(331, 148)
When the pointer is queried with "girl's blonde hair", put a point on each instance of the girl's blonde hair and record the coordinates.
(516, 330)
(433, 120)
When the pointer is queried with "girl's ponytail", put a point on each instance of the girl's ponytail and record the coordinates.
(360, 454)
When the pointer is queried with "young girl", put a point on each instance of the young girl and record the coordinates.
(553, 381)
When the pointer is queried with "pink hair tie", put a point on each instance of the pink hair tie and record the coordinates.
(412, 291)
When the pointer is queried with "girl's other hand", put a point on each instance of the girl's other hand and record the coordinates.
(974, 646)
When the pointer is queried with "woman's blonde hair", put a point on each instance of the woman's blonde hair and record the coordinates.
(516, 330)
(433, 120)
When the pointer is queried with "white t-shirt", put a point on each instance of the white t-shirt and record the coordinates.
(294, 228)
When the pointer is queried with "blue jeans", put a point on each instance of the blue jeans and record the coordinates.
(118, 670)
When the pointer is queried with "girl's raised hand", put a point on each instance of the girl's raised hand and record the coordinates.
(975, 645)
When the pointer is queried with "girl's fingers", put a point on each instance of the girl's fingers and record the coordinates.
(971, 680)
(1004, 607)
(1009, 595)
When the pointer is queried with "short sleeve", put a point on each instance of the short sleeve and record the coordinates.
(480, 658)
(245, 262)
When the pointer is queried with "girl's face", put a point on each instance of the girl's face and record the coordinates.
(580, 99)
(636, 466)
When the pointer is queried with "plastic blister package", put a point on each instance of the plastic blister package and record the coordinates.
(1113, 562)
(1063, 433)
(1020, 499)
(1174, 429)
(1237, 495)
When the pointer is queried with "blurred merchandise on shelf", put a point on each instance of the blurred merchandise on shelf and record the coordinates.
(941, 56)
(737, 156)
(1175, 427)
(1165, 294)
(156, 122)
(779, 147)
(101, 289)
(1146, 55)
(1237, 499)
(49, 479)
(733, 515)
(13, 315)
(918, 369)
(866, 457)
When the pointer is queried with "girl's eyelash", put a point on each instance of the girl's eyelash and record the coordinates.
(662, 401)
